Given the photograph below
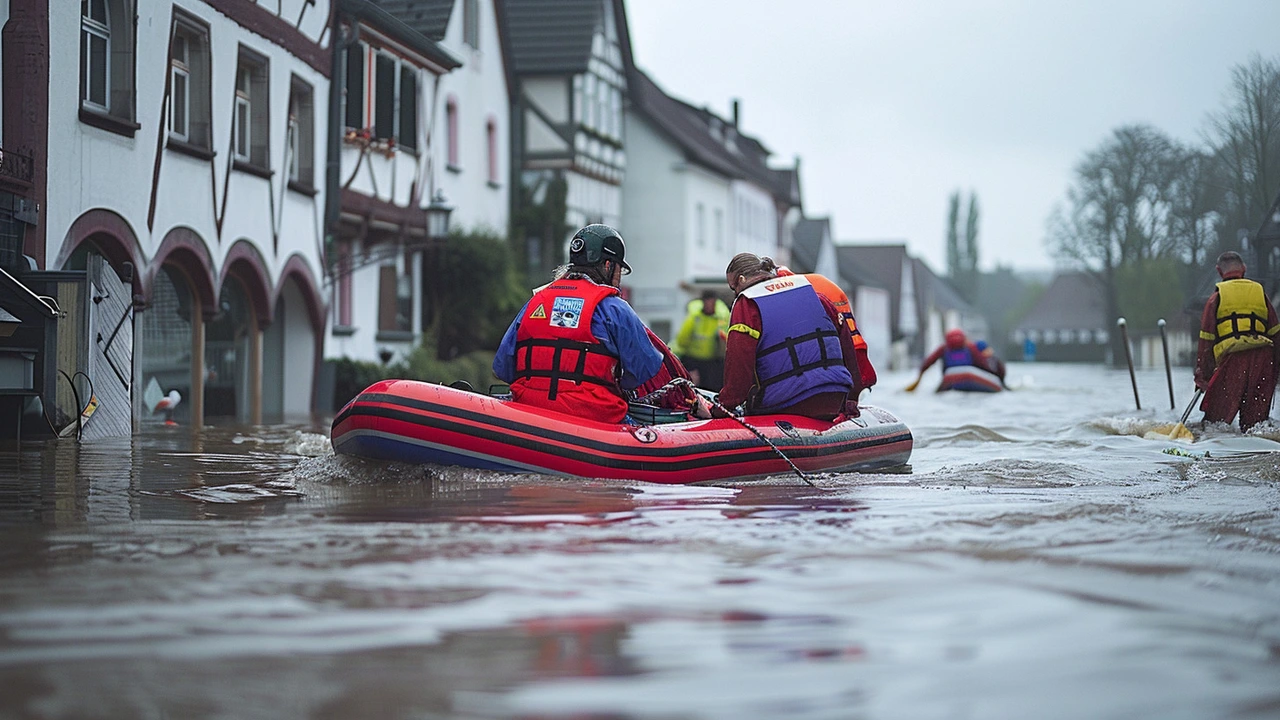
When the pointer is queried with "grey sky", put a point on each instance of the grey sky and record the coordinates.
(893, 105)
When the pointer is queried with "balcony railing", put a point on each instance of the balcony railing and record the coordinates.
(15, 166)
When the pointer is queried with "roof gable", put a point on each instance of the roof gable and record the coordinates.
(553, 36)
(429, 17)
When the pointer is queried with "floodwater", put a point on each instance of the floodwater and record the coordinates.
(1040, 559)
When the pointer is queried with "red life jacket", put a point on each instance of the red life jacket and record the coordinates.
(560, 365)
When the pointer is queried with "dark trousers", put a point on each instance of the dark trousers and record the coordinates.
(1244, 383)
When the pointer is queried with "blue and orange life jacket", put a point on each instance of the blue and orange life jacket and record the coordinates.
(961, 356)
(798, 352)
(559, 364)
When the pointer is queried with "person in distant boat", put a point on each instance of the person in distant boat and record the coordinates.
(700, 342)
(576, 346)
(955, 351)
(987, 355)
(1236, 362)
(788, 351)
(832, 292)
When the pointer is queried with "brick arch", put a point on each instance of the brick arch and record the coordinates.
(186, 250)
(109, 234)
(245, 263)
(296, 267)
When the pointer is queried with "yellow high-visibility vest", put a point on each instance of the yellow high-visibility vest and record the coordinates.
(1242, 318)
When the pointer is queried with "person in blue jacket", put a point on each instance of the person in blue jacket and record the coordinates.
(576, 346)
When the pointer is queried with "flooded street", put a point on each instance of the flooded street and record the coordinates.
(1040, 559)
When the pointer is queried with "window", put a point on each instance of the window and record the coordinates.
(95, 54)
(107, 34)
(451, 125)
(719, 229)
(249, 123)
(395, 300)
(384, 97)
(471, 23)
(188, 110)
(301, 135)
(354, 92)
(491, 145)
(407, 130)
(179, 88)
(701, 231)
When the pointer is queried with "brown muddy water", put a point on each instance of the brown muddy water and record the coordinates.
(1040, 559)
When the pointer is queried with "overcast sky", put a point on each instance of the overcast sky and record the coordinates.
(892, 105)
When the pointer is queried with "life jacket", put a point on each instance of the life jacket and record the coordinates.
(798, 352)
(1242, 318)
(961, 356)
(559, 364)
(678, 398)
(832, 292)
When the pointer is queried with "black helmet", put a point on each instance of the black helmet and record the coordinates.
(596, 243)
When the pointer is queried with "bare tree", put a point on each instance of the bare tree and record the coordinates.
(1245, 136)
(1118, 209)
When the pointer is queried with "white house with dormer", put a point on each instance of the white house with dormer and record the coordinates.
(696, 193)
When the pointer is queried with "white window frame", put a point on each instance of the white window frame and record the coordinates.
(243, 130)
(180, 68)
(90, 27)
(292, 142)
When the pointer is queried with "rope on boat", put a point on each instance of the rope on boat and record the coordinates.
(675, 382)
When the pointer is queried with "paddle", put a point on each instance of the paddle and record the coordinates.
(914, 383)
(1180, 431)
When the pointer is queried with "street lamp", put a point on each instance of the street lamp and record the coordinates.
(438, 217)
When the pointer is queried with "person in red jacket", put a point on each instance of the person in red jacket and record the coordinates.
(788, 350)
(957, 350)
(1236, 362)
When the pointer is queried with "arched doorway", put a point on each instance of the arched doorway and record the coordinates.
(289, 354)
(230, 347)
(166, 346)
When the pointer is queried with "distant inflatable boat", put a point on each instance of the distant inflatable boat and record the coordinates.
(969, 378)
(415, 422)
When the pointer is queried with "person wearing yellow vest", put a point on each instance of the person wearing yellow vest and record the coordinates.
(1236, 362)
(700, 342)
(832, 292)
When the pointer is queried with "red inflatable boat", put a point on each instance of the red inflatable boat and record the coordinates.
(417, 422)
(970, 379)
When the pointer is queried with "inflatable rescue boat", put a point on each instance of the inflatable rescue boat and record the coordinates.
(416, 422)
(970, 378)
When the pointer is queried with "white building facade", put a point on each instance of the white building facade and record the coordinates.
(188, 157)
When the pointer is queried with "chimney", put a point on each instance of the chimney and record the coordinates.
(736, 110)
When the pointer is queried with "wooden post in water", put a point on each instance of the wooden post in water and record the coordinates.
(1124, 335)
(1168, 368)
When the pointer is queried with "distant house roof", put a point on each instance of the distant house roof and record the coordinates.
(683, 127)
(553, 37)
(429, 17)
(941, 293)
(711, 141)
(1073, 301)
(806, 243)
(1270, 228)
(393, 25)
(881, 263)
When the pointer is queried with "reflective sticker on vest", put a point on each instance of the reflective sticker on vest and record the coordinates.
(566, 312)
(540, 313)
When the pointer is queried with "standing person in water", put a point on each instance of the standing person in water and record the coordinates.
(788, 351)
(576, 346)
(955, 351)
(1236, 362)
